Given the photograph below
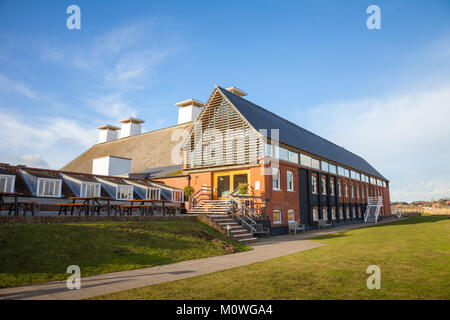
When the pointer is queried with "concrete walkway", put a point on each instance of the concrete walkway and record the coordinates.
(264, 249)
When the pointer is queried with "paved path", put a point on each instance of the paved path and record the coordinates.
(264, 249)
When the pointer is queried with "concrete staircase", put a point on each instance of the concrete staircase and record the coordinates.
(218, 212)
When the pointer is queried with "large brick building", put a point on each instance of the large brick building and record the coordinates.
(229, 140)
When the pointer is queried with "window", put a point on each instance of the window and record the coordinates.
(359, 212)
(325, 213)
(290, 181)
(357, 191)
(341, 214)
(353, 191)
(7, 183)
(275, 152)
(324, 166)
(339, 189)
(314, 183)
(293, 157)
(346, 190)
(268, 150)
(275, 179)
(332, 169)
(341, 171)
(177, 196)
(362, 192)
(284, 154)
(367, 191)
(124, 192)
(90, 189)
(315, 164)
(315, 214)
(153, 193)
(49, 187)
(332, 187)
(347, 213)
(291, 215)
(353, 213)
(305, 160)
(333, 213)
(324, 185)
(347, 173)
(276, 216)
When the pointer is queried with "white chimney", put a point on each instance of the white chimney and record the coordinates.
(189, 110)
(130, 127)
(111, 166)
(237, 91)
(107, 133)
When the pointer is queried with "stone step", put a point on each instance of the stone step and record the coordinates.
(243, 235)
(227, 223)
(248, 239)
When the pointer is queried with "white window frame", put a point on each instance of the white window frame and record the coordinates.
(353, 191)
(339, 189)
(324, 185)
(129, 193)
(346, 190)
(341, 213)
(13, 181)
(347, 213)
(325, 214)
(150, 190)
(332, 186)
(357, 191)
(277, 221)
(314, 184)
(276, 173)
(56, 190)
(96, 184)
(293, 215)
(353, 213)
(290, 181)
(333, 213)
(177, 196)
(359, 212)
(315, 214)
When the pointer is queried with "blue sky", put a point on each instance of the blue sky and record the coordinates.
(386, 92)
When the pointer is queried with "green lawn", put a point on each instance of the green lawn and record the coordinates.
(42, 252)
(413, 254)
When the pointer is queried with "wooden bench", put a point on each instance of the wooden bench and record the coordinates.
(294, 226)
(63, 207)
(33, 207)
(141, 208)
(324, 224)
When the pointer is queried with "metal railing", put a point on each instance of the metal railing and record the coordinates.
(205, 193)
(373, 208)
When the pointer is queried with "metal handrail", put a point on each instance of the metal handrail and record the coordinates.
(197, 197)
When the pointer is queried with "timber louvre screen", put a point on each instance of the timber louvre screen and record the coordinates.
(221, 136)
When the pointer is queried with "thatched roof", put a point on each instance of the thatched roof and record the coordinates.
(147, 150)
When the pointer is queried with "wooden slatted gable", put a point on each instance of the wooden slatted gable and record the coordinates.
(221, 136)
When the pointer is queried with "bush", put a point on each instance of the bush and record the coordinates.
(188, 191)
(242, 189)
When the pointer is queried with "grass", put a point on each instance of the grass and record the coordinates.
(413, 255)
(36, 253)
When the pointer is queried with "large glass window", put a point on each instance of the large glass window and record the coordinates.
(284, 154)
(314, 183)
(268, 149)
(290, 181)
(293, 157)
(305, 160)
(7, 183)
(315, 214)
(347, 173)
(315, 164)
(332, 169)
(324, 166)
(48, 187)
(324, 185)
(275, 179)
(341, 171)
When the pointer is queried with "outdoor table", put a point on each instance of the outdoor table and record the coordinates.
(11, 194)
(153, 201)
(92, 201)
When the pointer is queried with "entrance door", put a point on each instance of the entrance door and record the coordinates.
(226, 182)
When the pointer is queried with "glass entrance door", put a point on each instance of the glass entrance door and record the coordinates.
(239, 178)
(223, 186)
(226, 182)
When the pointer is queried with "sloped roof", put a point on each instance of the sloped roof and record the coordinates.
(296, 136)
(147, 150)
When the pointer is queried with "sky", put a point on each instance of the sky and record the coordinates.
(384, 93)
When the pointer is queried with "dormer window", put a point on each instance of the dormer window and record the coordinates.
(90, 189)
(7, 183)
(124, 192)
(48, 187)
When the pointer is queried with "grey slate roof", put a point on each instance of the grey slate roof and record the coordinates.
(295, 136)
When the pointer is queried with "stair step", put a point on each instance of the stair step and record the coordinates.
(248, 239)
(242, 235)
(232, 227)
(227, 223)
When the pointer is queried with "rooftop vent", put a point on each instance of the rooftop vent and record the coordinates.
(130, 127)
(111, 166)
(107, 133)
(237, 91)
(189, 110)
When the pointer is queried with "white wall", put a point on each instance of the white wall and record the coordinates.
(106, 135)
(130, 129)
(111, 166)
(187, 114)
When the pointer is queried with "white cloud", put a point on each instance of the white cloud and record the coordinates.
(405, 137)
(8, 85)
(31, 160)
(112, 106)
